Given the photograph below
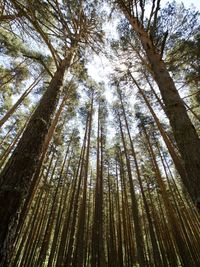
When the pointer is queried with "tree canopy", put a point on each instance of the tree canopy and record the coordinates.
(99, 133)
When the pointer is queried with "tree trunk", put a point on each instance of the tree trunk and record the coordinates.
(65, 253)
(184, 132)
(19, 101)
(78, 257)
(135, 209)
(157, 258)
(17, 175)
(97, 255)
(174, 223)
(177, 162)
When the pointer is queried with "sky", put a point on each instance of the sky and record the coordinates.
(100, 67)
(187, 3)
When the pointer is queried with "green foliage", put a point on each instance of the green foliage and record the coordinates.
(185, 57)
(174, 23)
(10, 44)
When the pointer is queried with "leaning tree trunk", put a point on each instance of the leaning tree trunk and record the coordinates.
(97, 255)
(177, 162)
(17, 175)
(156, 254)
(184, 132)
(10, 112)
(78, 258)
(134, 204)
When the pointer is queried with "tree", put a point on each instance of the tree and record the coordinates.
(16, 178)
(189, 142)
(98, 254)
(91, 180)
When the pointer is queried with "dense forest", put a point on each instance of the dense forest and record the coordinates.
(99, 133)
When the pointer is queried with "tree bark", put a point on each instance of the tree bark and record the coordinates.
(184, 132)
(78, 257)
(157, 258)
(174, 224)
(97, 255)
(19, 101)
(17, 175)
(176, 159)
(134, 205)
